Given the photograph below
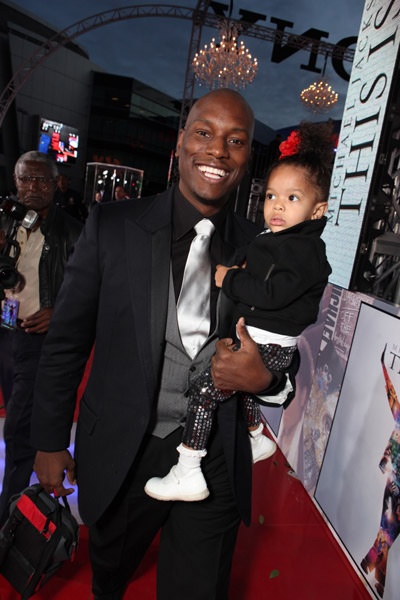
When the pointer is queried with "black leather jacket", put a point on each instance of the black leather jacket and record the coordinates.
(60, 232)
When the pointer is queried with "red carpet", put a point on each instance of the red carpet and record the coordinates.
(287, 552)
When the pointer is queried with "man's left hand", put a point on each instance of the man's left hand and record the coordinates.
(38, 322)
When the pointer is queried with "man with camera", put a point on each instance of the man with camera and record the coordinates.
(41, 247)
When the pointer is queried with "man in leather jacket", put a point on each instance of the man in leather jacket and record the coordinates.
(44, 249)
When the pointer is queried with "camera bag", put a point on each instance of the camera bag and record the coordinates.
(39, 535)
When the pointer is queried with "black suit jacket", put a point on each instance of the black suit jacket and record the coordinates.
(115, 294)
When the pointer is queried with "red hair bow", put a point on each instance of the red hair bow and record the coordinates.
(290, 146)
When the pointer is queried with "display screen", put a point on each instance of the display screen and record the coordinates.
(58, 140)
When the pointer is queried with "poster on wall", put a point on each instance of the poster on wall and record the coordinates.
(359, 483)
(287, 424)
(337, 335)
(304, 427)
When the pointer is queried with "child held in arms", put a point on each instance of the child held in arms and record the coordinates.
(277, 289)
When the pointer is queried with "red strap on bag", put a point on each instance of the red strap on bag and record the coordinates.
(34, 516)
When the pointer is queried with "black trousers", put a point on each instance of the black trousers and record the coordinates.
(197, 538)
(6, 363)
(19, 453)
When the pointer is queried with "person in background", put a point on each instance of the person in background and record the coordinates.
(120, 193)
(120, 291)
(70, 200)
(278, 291)
(98, 198)
(44, 251)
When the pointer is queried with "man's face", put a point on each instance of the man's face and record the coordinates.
(37, 193)
(119, 193)
(214, 150)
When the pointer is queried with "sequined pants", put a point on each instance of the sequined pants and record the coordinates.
(204, 398)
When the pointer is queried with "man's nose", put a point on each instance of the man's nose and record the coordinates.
(34, 182)
(218, 146)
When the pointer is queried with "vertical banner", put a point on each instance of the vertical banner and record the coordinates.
(359, 483)
(360, 134)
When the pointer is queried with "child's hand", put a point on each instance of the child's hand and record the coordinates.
(220, 273)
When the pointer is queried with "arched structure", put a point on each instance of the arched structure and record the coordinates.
(199, 17)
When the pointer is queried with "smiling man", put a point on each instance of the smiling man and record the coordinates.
(44, 250)
(120, 291)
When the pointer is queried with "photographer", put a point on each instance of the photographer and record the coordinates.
(42, 250)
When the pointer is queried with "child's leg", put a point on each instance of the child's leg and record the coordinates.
(274, 357)
(261, 446)
(185, 481)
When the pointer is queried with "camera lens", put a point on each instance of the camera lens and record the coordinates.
(8, 274)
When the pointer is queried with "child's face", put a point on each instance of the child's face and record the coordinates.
(290, 199)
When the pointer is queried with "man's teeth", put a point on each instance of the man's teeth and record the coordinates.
(212, 172)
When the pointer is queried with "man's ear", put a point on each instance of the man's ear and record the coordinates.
(179, 142)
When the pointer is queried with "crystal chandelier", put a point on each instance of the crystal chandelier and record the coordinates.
(225, 63)
(319, 97)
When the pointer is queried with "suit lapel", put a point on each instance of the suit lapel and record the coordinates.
(148, 243)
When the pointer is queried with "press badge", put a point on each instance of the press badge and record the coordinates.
(9, 313)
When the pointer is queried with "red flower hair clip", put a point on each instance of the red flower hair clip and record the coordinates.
(290, 146)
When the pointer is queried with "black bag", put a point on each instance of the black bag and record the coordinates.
(39, 535)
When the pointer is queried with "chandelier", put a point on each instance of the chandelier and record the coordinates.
(319, 97)
(225, 63)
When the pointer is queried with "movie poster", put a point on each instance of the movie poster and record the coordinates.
(359, 483)
(337, 335)
(289, 427)
(304, 427)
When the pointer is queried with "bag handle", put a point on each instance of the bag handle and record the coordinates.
(64, 499)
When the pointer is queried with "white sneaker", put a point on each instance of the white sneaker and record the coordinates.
(261, 447)
(190, 488)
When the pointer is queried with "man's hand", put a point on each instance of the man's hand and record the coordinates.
(50, 468)
(38, 322)
(242, 370)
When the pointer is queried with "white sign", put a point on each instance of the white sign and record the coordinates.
(363, 117)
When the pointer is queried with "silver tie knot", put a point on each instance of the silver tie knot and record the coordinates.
(204, 227)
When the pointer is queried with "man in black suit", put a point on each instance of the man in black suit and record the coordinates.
(120, 292)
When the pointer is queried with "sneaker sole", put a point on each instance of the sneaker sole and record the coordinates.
(185, 498)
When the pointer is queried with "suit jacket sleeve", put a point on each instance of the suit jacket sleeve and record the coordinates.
(67, 345)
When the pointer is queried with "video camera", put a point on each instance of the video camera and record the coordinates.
(16, 214)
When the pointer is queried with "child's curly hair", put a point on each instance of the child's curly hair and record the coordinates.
(312, 148)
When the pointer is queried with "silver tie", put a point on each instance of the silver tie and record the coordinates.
(193, 307)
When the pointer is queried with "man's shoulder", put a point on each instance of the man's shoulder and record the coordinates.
(133, 209)
(240, 231)
(69, 223)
